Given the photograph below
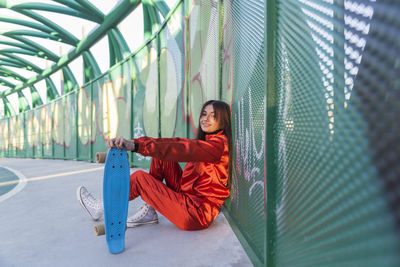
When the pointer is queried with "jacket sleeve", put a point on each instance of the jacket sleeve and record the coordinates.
(181, 149)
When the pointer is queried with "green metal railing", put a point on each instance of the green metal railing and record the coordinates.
(314, 91)
(47, 29)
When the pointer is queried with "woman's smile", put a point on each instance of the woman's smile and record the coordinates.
(208, 122)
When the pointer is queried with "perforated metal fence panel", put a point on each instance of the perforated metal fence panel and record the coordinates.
(29, 150)
(84, 122)
(46, 131)
(138, 97)
(203, 54)
(36, 134)
(70, 126)
(4, 137)
(243, 73)
(146, 97)
(335, 136)
(58, 128)
(172, 77)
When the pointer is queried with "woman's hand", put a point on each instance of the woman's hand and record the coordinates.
(121, 143)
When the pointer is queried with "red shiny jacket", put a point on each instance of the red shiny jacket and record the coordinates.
(205, 176)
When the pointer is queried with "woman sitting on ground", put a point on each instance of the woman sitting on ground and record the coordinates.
(191, 199)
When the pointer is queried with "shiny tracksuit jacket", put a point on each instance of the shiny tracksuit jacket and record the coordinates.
(191, 199)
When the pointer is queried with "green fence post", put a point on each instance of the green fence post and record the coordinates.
(270, 113)
(132, 73)
(76, 124)
(92, 159)
(221, 46)
(158, 43)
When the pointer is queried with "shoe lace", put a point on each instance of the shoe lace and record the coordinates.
(142, 212)
(91, 201)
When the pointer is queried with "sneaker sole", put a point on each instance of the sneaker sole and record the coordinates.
(78, 196)
(133, 225)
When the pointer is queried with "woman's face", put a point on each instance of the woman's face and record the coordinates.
(208, 123)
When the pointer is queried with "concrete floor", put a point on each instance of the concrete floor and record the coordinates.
(42, 224)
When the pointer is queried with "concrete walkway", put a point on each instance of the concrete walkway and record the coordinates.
(42, 224)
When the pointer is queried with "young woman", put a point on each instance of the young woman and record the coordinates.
(191, 199)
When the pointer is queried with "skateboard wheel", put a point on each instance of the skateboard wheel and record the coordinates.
(101, 157)
(99, 230)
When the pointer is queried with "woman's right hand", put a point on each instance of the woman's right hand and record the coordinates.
(121, 143)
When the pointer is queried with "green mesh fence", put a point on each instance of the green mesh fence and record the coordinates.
(146, 97)
(243, 73)
(36, 133)
(97, 119)
(29, 150)
(315, 90)
(70, 126)
(46, 131)
(4, 137)
(336, 139)
(84, 122)
(172, 77)
(203, 53)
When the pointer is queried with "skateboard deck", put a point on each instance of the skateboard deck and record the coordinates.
(115, 198)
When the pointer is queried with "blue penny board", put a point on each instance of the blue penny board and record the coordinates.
(116, 198)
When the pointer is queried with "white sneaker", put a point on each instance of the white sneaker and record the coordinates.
(90, 204)
(145, 215)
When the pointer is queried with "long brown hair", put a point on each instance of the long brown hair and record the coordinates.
(222, 113)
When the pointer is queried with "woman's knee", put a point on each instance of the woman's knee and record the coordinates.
(136, 179)
(189, 225)
(137, 175)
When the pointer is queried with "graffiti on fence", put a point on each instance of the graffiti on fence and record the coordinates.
(249, 151)
(139, 132)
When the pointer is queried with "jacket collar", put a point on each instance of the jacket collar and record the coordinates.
(216, 132)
